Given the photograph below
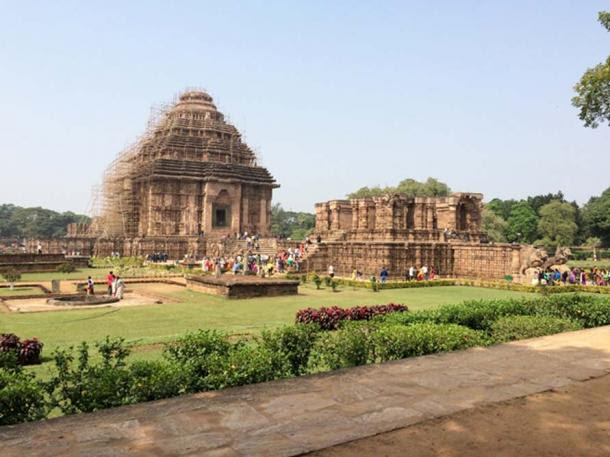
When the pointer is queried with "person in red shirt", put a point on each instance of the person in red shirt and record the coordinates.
(109, 281)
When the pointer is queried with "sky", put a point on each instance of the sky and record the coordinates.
(333, 96)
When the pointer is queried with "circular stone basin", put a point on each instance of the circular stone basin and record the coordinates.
(82, 300)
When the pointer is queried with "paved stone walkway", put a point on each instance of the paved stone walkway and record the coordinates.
(291, 417)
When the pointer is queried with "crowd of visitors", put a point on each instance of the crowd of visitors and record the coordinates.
(423, 273)
(157, 257)
(256, 263)
(594, 276)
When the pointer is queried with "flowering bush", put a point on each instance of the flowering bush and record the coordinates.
(27, 351)
(331, 317)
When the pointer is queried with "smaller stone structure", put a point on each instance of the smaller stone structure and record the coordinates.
(242, 286)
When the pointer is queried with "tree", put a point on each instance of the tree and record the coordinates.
(522, 223)
(593, 90)
(11, 276)
(407, 187)
(291, 224)
(596, 217)
(18, 222)
(538, 201)
(557, 224)
(494, 226)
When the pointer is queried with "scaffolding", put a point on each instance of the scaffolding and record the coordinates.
(189, 127)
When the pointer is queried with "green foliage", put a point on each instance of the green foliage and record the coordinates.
(155, 380)
(522, 223)
(291, 346)
(83, 386)
(317, 281)
(393, 342)
(407, 187)
(10, 275)
(557, 223)
(291, 224)
(494, 226)
(348, 347)
(22, 397)
(511, 328)
(593, 90)
(327, 281)
(18, 222)
(334, 284)
(596, 217)
(66, 267)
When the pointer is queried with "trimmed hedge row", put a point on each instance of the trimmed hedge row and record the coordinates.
(511, 328)
(329, 318)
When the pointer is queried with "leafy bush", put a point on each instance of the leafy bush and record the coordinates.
(86, 386)
(154, 380)
(327, 281)
(317, 281)
(66, 267)
(480, 315)
(291, 346)
(27, 351)
(392, 342)
(244, 364)
(590, 311)
(510, 328)
(331, 317)
(348, 347)
(11, 275)
(22, 397)
(197, 353)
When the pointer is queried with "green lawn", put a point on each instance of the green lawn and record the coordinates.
(588, 264)
(157, 323)
(6, 291)
(95, 273)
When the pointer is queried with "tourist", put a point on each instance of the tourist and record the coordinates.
(119, 288)
(89, 289)
(39, 248)
(424, 270)
(383, 275)
(110, 281)
(411, 273)
(331, 271)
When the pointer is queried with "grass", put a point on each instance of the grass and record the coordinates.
(6, 291)
(145, 325)
(95, 273)
(588, 264)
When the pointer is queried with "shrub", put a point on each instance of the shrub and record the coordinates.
(11, 275)
(480, 315)
(328, 281)
(510, 328)
(317, 281)
(392, 342)
(374, 284)
(331, 317)
(197, 353)
(348, 347)
(155, 380)
(334, 285)
(29, 352)
(291, 346)
(87, 386)
(590, 311)
(66, 267)
(22, 398)
(244, 364)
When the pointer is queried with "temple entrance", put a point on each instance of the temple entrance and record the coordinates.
(220, 216)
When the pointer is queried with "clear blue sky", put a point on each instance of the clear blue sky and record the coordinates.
(334, 95)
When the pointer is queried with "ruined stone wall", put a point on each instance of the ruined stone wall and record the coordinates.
(464, 260)
(490, 261)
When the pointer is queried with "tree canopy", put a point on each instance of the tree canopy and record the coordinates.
(557, 224)
(593, 90)
(408, 187)
(18, 222)
(596, 217)
(291, 224)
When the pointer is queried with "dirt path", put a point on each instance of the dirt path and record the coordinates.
(572, 421)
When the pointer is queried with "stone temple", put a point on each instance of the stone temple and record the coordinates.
(190, 178)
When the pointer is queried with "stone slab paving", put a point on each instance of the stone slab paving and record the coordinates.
(291, 417)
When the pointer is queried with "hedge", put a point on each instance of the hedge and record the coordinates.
(510, 328)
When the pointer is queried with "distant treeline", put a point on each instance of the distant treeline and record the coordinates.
(18, 222)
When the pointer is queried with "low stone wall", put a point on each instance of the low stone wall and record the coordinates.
(39, 263)
(242, 287)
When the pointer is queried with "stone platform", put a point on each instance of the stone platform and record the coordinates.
(295, 416)
(237, 286)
